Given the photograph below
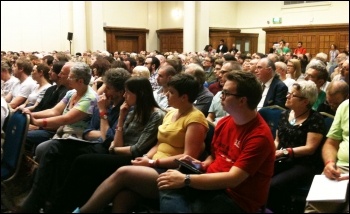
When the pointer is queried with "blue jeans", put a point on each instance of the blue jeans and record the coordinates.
(188, 200)
(35, 137)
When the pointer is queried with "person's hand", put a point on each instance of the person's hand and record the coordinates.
(32, 127)
(171, 179)
(331, 171)
(103, 102)
(111, 148)
(124, 109)
(140, 161)
(20, 108)
(343, 177)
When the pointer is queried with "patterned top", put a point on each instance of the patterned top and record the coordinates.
(294, 136)
(153, 80)
(86, 104)
(140, 137)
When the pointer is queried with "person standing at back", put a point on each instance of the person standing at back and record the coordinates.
(300, 49)
(222, 48)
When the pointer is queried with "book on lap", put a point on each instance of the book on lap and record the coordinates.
(324, 189)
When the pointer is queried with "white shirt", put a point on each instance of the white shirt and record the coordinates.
(8, 86)
(267, 87)
(24, 89)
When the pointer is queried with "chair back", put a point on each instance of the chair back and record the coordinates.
(328, 120)
(271, 115)
(8, 116)
(207, 141)
(13, 148)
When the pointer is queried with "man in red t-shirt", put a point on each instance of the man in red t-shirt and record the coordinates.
(300, 49)
(240, 167)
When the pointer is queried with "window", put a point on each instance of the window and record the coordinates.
(302, 4)
(298, 2)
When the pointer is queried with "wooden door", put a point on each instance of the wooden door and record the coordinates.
(125, 39)
(127, 43)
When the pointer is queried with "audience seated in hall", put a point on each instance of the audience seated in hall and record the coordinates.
(299, 139)
(335, 154)
(337, 74)
(208, 68)
(22, 69)
(153, 63)
(337, 92)
(316, 71)
(99, 67)
(294, 70)
(40, 74)
(188, 139)
(73, 113)
(281, 70)
(8, 81)
(233, 170)
(52, 97)
(132, 139)
(216, 86)
(204, 96)
(274, 90)
(165, 73)
(140, 71)
(216, 111)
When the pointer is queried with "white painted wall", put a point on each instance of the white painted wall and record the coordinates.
(43, 26)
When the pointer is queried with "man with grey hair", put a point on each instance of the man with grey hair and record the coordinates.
(337, 92)
(204, 97)
(316, 71)
(274, 90)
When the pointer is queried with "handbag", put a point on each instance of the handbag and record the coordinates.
(282, 164)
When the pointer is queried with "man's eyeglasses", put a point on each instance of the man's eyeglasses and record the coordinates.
(147, 63)
(71, 78)
(293, 95)
(224, 94)
(259, 67)
(223, 72)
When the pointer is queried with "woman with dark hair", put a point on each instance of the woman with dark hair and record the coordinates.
(40, 74)
(182, 133)
(135, 133)
(99, 67)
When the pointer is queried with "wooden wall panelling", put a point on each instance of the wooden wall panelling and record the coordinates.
(170, 40)
(233, 35)
(315, 38)
(125, 39)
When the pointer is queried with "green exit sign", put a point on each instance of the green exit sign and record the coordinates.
(277, 20)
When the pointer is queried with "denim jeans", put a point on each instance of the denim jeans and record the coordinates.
(35, 137)
(189, 200)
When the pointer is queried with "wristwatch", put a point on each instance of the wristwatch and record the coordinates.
(103, 115)
(285, 152)
(187, 180)
(151, 162)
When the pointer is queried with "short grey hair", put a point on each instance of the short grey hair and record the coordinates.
(308, 89)
(281, 65)
(81, 70)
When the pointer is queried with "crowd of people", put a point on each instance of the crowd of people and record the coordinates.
(105, 128)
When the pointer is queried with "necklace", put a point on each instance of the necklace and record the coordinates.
(294, 120)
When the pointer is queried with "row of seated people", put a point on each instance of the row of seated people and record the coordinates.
(46, 122)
